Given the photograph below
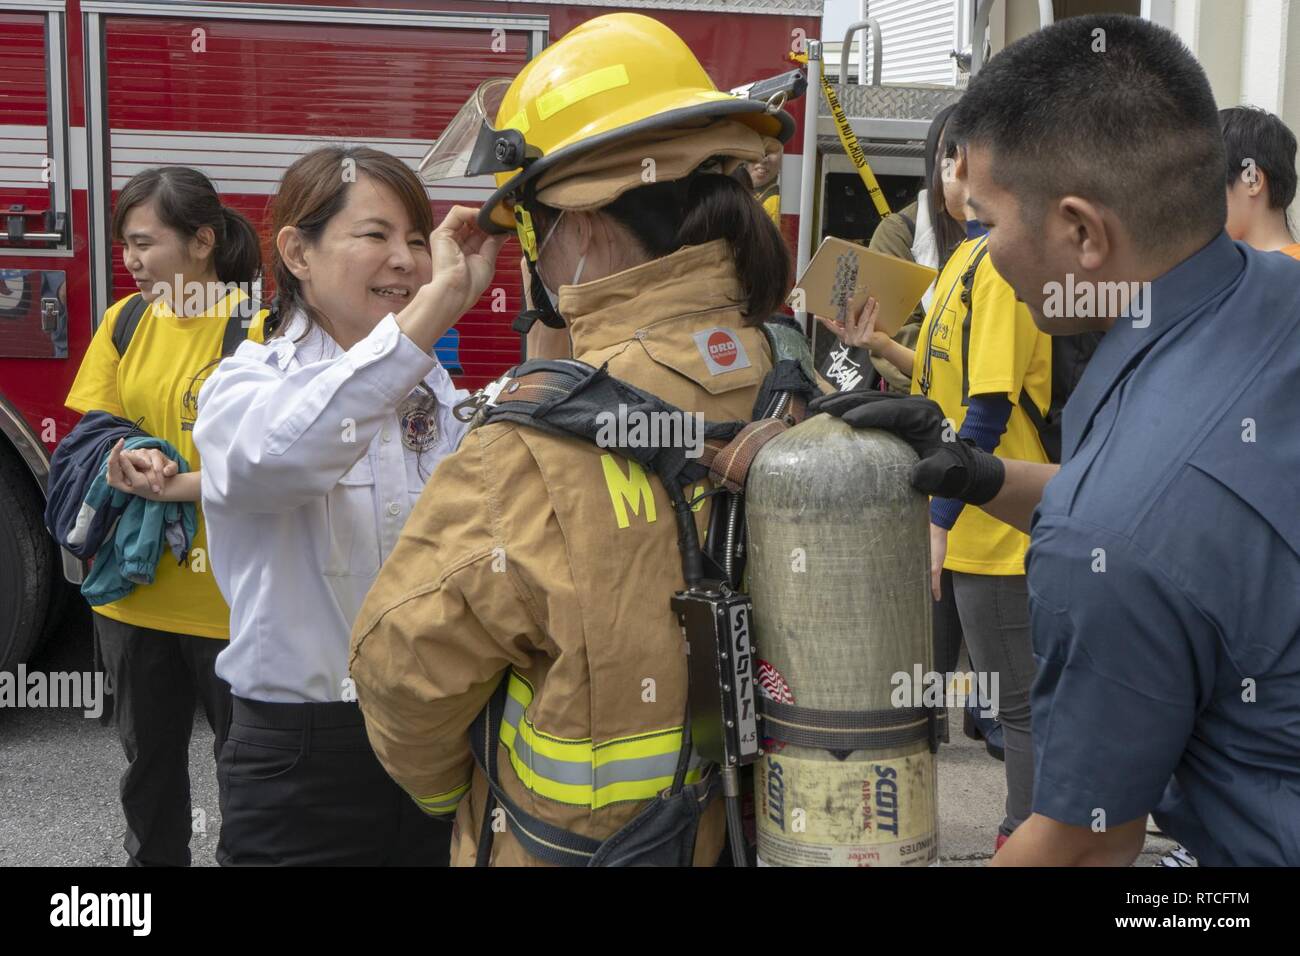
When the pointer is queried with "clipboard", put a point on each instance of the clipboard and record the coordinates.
(842, 274)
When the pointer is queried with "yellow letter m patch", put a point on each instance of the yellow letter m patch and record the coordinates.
(630, 489)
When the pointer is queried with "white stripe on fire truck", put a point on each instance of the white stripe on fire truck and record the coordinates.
(252, 164)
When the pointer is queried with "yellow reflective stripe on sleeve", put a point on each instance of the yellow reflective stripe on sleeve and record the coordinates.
(576, 772)
(575, 91)
(441, 804)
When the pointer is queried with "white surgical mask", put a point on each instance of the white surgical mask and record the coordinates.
(577, 273)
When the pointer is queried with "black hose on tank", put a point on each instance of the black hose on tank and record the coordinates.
(688, 539)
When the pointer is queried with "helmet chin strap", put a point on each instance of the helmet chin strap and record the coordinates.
(543, 309)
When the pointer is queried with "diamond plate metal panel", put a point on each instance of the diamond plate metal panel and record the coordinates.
(892, 102)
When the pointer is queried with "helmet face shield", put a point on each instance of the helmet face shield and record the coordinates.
(471, 145)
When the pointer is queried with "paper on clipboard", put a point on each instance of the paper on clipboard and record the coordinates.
(842, 274)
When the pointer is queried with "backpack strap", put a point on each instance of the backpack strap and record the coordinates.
(238, 325)
(1051, 439)
(792, 383)
(573, 399)
(128, 320)
(967, 293)
(1053, 448)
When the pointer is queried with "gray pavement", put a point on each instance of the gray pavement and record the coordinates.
(59, 786)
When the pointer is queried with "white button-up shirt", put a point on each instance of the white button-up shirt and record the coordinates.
(306, 485)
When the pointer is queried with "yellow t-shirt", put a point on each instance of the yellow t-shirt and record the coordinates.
(772, 206)
(1006, 352)
(157, 382)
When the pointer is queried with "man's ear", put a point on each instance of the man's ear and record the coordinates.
(1084, 227)
(292, 251)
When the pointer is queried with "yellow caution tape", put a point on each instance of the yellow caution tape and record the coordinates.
(849, 140)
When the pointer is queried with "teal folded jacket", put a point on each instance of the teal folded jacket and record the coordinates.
(130, 552)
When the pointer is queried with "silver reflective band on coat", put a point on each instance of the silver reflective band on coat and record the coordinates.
(578, 772)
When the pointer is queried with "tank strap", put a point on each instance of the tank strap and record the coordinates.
(843, 731)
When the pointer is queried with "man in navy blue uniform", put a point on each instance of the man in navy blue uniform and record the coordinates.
(1164, 565)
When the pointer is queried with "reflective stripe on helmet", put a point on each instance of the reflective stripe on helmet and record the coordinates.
(577, 90)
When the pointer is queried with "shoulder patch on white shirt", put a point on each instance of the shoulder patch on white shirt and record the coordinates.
(722, 350)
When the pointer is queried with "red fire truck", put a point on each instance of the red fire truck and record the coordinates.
(93, 91)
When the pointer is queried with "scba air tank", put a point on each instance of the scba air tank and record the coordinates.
(839, 572)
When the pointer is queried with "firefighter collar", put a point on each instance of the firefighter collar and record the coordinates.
(607, 311)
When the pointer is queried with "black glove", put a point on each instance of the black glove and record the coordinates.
(950, 467)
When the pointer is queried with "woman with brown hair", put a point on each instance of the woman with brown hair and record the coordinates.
(322, 440)
(193, 261)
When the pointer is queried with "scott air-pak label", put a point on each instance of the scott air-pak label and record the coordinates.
(862, 812)
(722, 350)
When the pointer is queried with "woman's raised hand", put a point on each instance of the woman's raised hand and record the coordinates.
(464, 256)
(464, 260)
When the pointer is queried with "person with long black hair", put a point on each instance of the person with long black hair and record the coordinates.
(193, 261)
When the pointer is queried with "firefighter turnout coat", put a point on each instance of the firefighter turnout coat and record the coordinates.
(550, 562)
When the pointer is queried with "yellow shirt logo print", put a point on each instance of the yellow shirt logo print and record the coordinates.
(630, 489)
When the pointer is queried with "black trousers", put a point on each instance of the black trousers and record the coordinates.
(947, 627)
(157, 679)
(302, 787)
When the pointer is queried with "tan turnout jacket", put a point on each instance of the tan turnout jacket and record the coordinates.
(554, 560)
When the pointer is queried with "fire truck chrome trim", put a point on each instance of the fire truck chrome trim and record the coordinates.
(56, 86)
(322, 15)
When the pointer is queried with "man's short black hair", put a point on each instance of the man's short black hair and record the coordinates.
(1111, 108)
(1250, 133)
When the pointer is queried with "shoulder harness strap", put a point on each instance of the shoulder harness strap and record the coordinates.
(571, 398)
(238, 325)
(128, 320)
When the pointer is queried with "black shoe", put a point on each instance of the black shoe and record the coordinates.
(987, 729)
